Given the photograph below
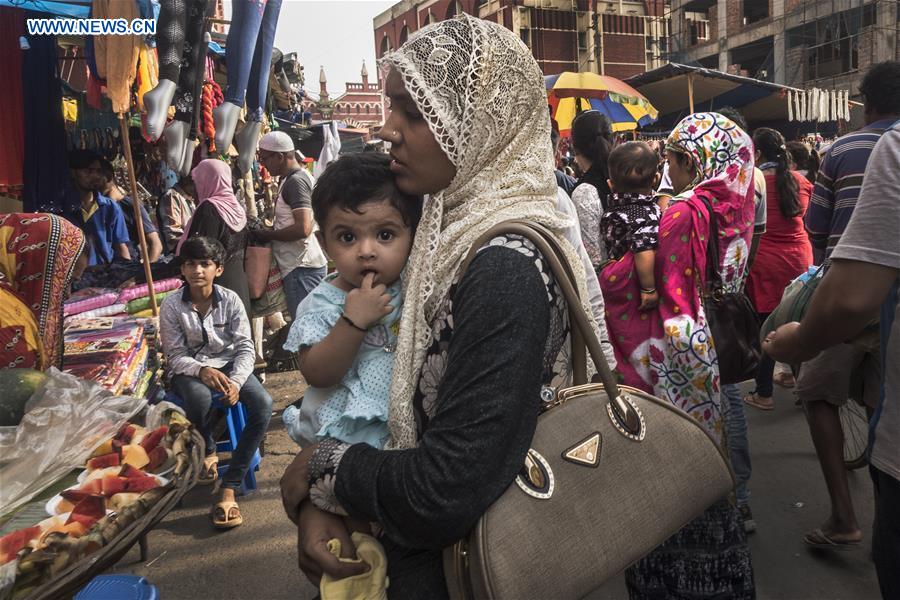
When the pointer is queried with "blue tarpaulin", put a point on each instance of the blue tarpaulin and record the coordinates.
(69, 8)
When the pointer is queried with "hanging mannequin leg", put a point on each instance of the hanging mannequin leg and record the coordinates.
(190, 82)
(157, 102)
(170, 42)
(246, 17)
(247, 139)
(258, 86)
(176, 134)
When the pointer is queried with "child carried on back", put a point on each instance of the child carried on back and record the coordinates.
(631, 222)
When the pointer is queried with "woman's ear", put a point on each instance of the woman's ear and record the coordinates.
(656, 180)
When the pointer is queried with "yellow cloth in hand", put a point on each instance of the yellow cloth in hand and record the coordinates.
(371, 585)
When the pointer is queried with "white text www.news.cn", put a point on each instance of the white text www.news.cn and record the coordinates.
(91, 27)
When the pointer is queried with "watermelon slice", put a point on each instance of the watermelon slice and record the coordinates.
(74, 495)
(88, 511)
(158, 457)
(130, 472)
(153, 438)
(93, 487)
(127, 432)
(117, 446)
(101, 462)
(11, 543)
(118, 485)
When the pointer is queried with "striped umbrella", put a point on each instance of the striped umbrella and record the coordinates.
(569, 93)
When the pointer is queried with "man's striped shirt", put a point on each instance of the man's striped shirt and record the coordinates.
(838, 184)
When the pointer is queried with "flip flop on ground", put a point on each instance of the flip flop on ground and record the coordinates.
(226, 515)
(757, 401)
(818, 539)
(210, 471)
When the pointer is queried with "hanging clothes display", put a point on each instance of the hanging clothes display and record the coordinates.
(116, 55)
(790, 105)
(12, 116)
(45, 172)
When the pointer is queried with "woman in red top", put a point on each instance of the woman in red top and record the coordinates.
(784, 249)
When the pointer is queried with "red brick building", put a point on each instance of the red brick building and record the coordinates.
(613, 37)
(361, 105)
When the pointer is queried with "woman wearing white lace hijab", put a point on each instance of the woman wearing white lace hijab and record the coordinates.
(469, 128)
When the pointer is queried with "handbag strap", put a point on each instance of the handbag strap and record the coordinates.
(713, 276)
(583, 335)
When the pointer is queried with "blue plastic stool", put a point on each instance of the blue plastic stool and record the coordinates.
(118, 587)
(236, 420)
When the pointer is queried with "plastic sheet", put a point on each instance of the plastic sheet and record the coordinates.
(65, 419)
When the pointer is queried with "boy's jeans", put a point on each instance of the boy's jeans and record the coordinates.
(197, 399)
(738, 445)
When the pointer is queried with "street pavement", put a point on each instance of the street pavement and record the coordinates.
(188, 559)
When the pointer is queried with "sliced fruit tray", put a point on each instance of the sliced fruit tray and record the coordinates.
(119, 497)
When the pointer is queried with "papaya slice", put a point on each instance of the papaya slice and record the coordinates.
(152, 439)
(135, 456)
(101, 462)
(92, 487)
(104, 448)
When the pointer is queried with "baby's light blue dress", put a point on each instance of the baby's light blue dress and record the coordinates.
(356, 409)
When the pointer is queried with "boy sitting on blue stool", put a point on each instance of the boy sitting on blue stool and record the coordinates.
(206, 341)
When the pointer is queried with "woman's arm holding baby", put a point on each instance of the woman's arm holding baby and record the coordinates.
(325, 364)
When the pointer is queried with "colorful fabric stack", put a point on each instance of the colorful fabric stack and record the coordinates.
(100, 302)
(112, 351)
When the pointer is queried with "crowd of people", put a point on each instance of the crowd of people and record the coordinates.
(426, 379)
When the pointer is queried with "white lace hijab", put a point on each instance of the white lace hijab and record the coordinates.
(484, 99)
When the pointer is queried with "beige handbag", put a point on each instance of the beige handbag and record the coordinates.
(257, 260)
(612, 472)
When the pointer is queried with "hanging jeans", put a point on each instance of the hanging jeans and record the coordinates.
(182, 55)
(253, 24)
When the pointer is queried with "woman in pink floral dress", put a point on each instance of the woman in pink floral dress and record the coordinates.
(669, 351)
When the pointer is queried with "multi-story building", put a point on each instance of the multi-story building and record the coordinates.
(361, 104)
(612, 37)
(827, 44)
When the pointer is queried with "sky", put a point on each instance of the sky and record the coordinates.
(335, 33)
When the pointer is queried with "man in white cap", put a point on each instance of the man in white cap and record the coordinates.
(296, 250)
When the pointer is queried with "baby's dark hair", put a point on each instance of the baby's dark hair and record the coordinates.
(357, 179)
(202, 248)
(633, 167)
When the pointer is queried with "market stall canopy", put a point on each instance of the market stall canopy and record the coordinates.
(68, 8)
(668, 89)
(570, 93)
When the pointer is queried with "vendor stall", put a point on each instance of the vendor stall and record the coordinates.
(678, 90)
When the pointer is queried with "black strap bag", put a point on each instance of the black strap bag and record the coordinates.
(732, 319)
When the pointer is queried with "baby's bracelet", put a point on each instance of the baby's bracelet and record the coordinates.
(352, 324)
(648, 290)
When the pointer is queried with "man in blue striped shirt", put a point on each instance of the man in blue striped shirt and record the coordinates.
(825, 381)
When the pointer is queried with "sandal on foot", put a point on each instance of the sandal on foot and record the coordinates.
(226, 515)
(818, 539)
(785, 380)
(210, 470)
(755, 401)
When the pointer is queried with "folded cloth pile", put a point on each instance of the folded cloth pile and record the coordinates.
(111, 351)
(102, 302)
(139, 305)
